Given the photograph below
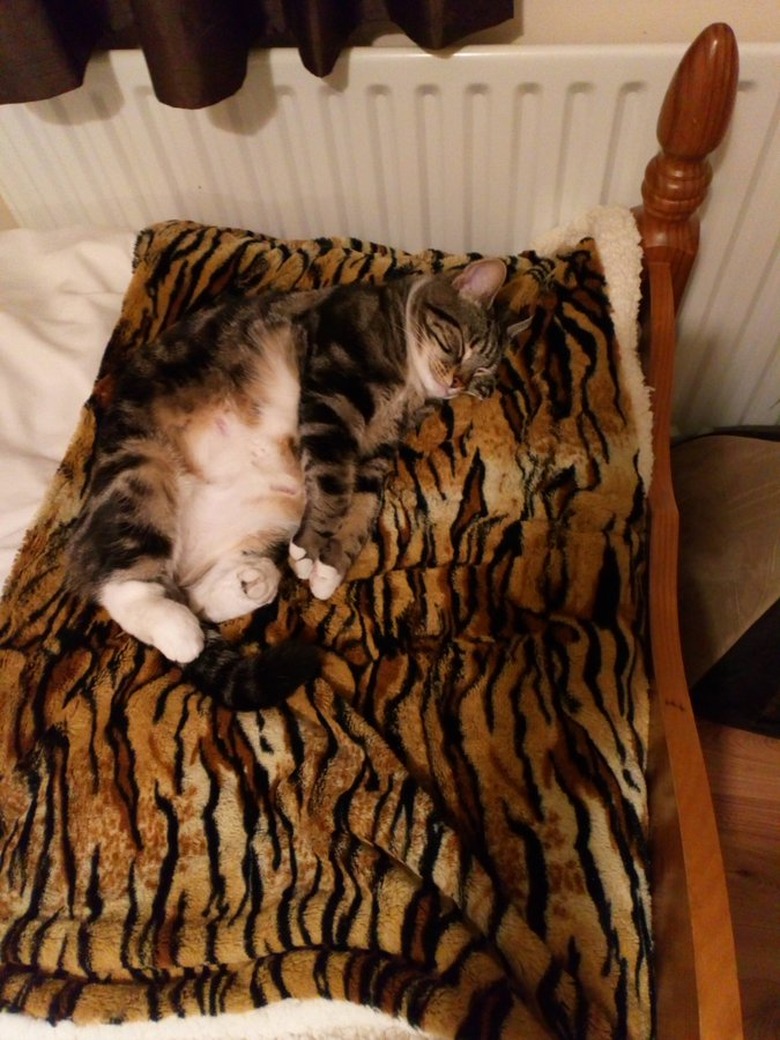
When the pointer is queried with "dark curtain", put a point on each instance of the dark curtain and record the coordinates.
(196, 50)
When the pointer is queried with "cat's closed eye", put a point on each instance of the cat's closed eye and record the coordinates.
(446, 330)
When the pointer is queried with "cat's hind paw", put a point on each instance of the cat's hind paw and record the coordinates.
(232, 590)
(178, 635)
(144, 611)
(324, 580)
(260, 581)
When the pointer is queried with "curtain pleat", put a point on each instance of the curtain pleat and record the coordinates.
(320, 29)
(45, 46)
(197, 50)
(441, 23)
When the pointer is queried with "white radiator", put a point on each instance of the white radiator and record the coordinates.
(480, 150)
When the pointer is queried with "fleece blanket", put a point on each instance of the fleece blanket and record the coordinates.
(449, 825)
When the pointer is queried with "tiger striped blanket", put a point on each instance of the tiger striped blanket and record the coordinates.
(449, 825)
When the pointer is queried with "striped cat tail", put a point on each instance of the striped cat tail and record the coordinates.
(251, 681)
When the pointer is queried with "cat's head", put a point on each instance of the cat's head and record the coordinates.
(455, 342)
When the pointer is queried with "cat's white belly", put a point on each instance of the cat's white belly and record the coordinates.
(243, 486)
(219, 517)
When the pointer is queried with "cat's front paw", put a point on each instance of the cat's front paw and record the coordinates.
(324, 580)
(300, 562)
(307, 563)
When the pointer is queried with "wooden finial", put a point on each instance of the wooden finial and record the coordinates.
(693, 120)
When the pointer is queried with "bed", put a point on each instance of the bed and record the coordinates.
(490, 816)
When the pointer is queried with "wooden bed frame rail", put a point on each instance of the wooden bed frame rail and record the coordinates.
(697, 985)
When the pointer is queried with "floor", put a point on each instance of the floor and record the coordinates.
(744, 771)
(728, 493)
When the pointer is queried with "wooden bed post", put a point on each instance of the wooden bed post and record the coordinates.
(693, 121)
(698, 992)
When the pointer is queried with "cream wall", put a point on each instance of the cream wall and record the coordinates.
(6, 218)
(634, 21)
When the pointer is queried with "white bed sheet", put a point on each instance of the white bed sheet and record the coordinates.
(60, 296)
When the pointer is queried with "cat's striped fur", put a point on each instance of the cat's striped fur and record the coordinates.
(260, 426)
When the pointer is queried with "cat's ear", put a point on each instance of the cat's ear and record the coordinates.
(481, 280)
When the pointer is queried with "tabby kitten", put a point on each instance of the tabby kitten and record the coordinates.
(263, 427)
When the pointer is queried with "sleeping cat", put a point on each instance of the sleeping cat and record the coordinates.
(261, 428)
